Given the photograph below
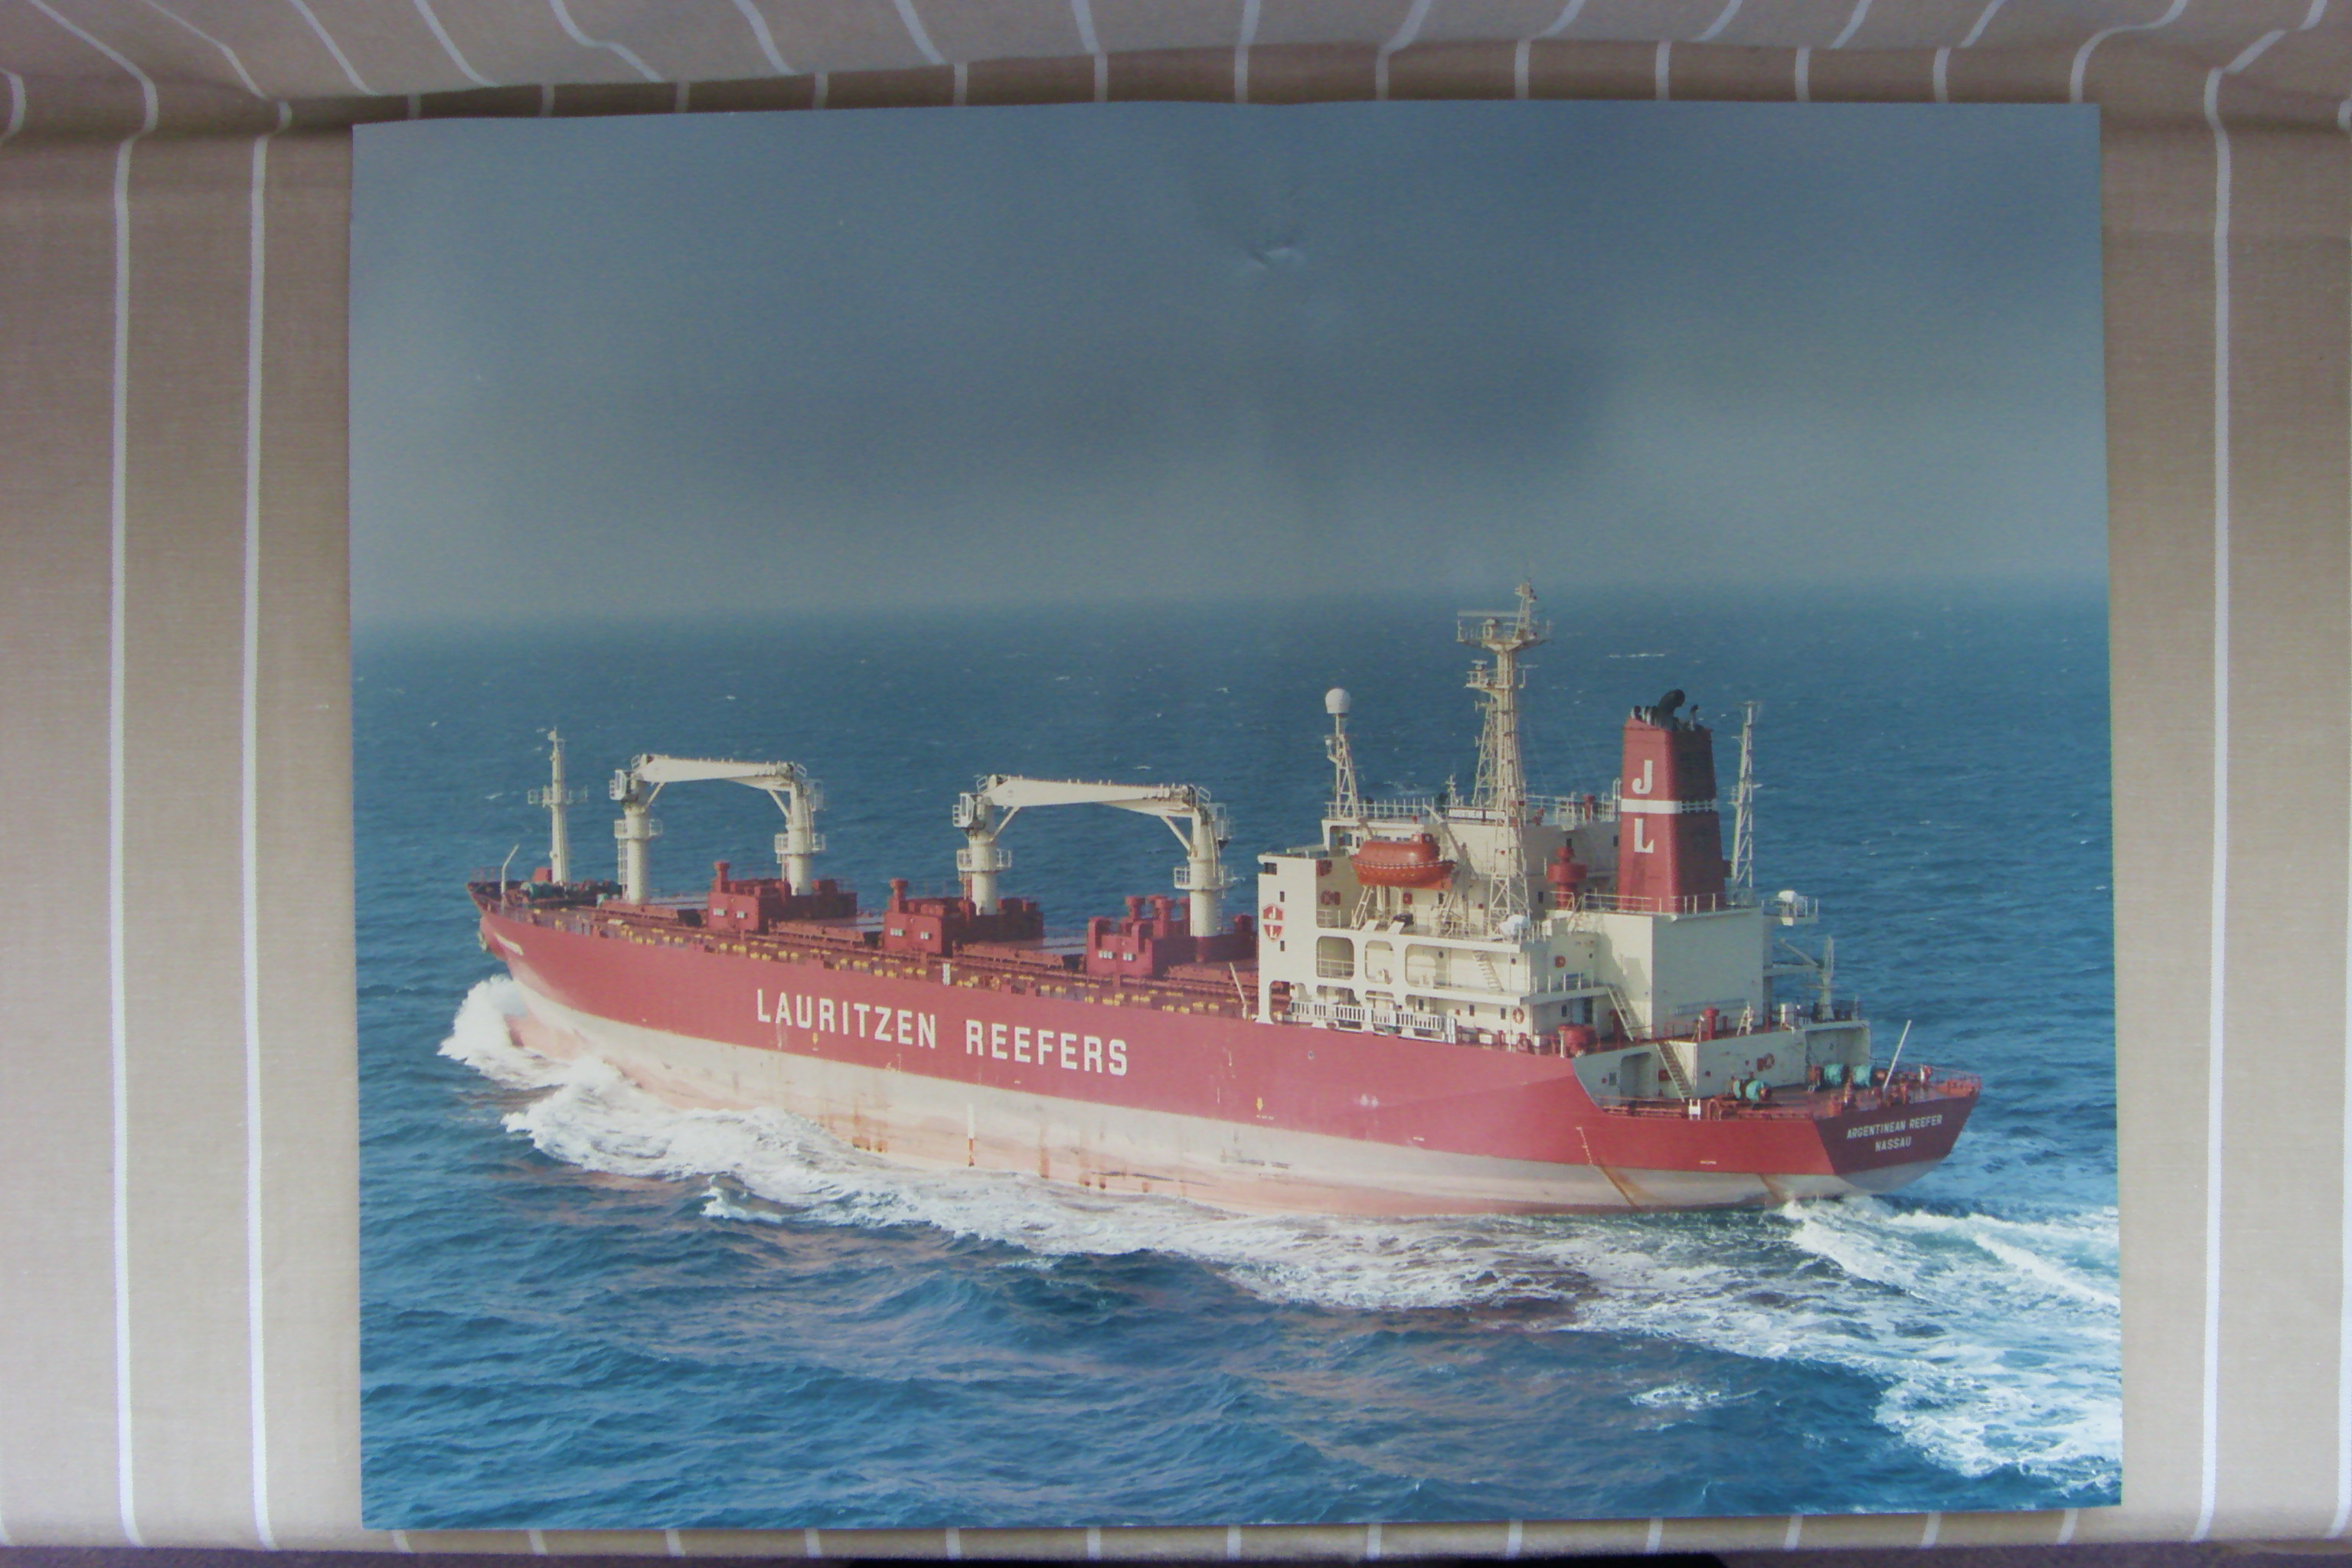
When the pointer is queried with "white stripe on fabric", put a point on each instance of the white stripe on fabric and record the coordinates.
(1805, 75)
(1560, 24)
(2208, 1467)
(1944, 54)
(1372, 1542)
(1932, 1529)
(2337, 1525)
(1241, 50)
(400, 1542)
(1407, 30)
(960, 93)
(1661, 69)
(623, 51)
(1083, 14)
(673, 1543)
(449, 46)
(1233, 1543)
(1984, 20)
(16, 105)
(1655, 1539)
(915, 30)
(249, 833)
(766, 40)
(1094, 1543)
(1852, 23)
(809, 1542)
(1715, 29)
(333, 47)
(2216, 1009)
(2083, 55)
(1524, 51)
(2066, 1524)
(821, 82)
(538, 1542)
(116, 739)
(229, 54)
(1513, 1539)
(955, 1544)
(1794, 1533)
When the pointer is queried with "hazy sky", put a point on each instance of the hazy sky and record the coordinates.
(891, 360)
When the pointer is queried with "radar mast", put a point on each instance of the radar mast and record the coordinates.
(1501, 794)
(1347, 800)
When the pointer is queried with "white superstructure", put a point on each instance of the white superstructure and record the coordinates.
(1507, 919)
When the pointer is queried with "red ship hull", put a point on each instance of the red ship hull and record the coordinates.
(917, 1062)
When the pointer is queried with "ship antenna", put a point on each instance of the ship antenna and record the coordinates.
(556, 798)
(1898, 1051)
(1347, 801)
(1501, 796)
(1743, 802)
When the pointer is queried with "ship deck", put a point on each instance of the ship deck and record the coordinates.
(852, 944)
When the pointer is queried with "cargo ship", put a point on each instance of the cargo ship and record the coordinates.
(1503, 1003)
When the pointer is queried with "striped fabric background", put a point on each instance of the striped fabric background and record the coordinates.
(178, 1269)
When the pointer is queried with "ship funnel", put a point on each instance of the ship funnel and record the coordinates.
(1669, 833)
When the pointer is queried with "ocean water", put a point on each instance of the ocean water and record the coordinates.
(583, 1309)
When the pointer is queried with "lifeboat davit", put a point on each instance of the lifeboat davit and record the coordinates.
(1401, 863)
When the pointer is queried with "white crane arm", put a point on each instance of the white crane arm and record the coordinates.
(787, 784)
(659, 770)
(987, 811)
(1158, 800)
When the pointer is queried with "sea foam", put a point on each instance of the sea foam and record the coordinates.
(1994, 1339)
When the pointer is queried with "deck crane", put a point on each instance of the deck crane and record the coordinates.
(796, 795)
(1198, 822)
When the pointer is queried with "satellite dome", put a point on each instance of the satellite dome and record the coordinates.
(1336, 701)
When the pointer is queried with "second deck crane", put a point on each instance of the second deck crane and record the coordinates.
(796, 795)
(1198, 822)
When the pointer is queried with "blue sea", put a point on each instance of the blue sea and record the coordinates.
(584, 1310)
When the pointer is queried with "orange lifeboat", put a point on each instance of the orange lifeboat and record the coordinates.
(1401, 863)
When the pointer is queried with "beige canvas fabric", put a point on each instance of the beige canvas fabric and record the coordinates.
(178, 1267)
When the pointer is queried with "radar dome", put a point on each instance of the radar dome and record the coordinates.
(1336, 701)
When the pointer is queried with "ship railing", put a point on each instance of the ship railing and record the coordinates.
(1554, 810)
(1334, 969)
(1693, 904)
(1565, 810)
(1807, 1105)
(1371, 1020)
(1401, 808)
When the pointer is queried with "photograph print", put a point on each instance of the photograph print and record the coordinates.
(1162, 814)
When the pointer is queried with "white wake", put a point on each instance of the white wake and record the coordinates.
(1996, 1341)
